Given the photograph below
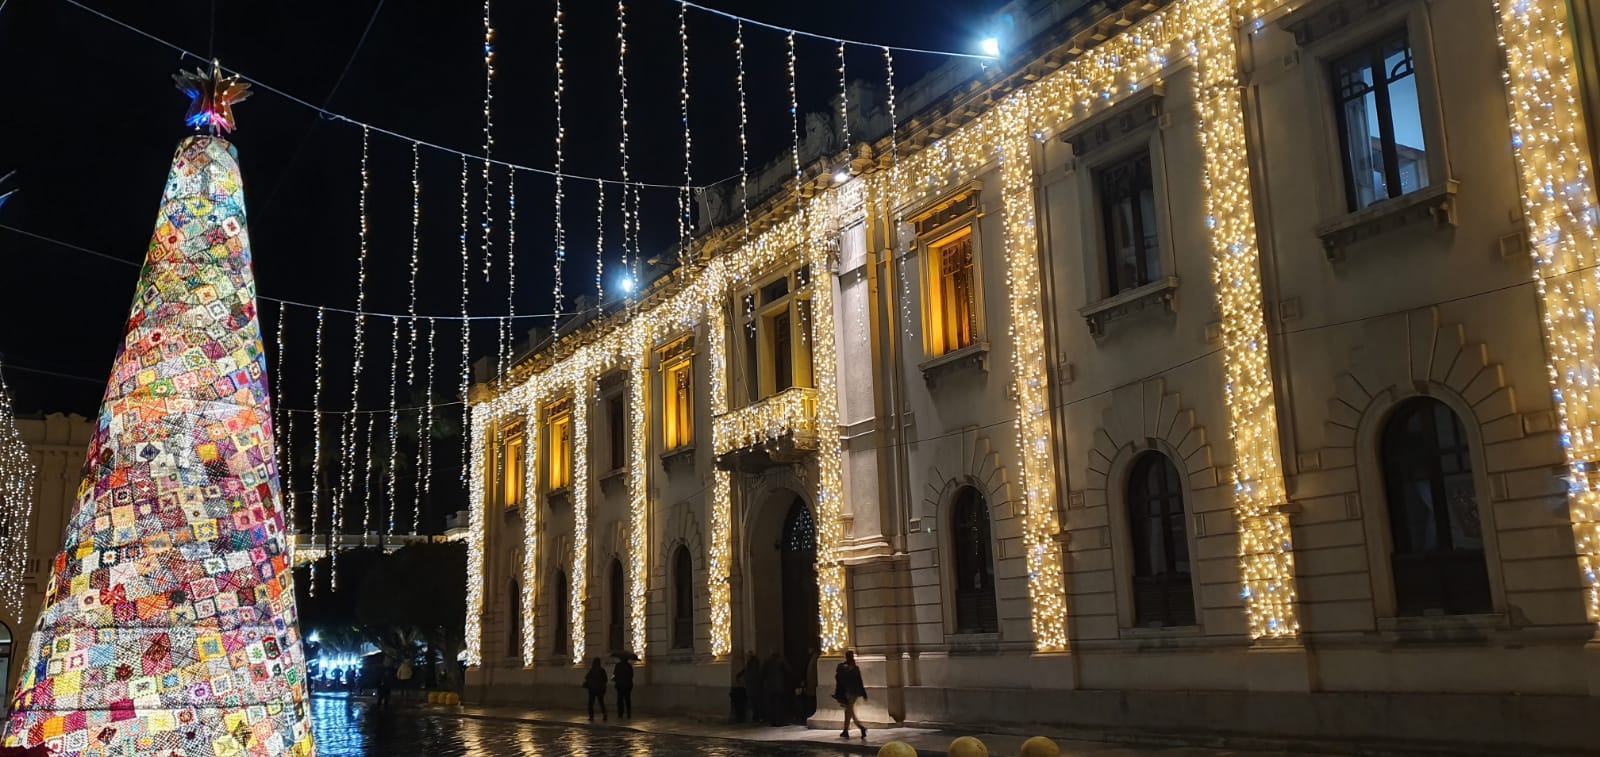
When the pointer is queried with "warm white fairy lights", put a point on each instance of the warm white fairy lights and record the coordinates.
(1549, 139)
(316, 446)
(684, 197)
(391, 482)
(505, 324)
(599, 242)
(348, 464)
(283, 433)
(557, 294)
(794, 115)
(630, 202)
(530, 537)
(368, 476)
(1265, 549)
(578, 596)
(487, 222)
(412, 347)
(638, 498)
(466, 335)
(744, 141)
(425, 442)
(793, 410)
(17, 475)
(1196, 30)
(479, 433)
(844, 102)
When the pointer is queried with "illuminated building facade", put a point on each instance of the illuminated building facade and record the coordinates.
(1207, 366)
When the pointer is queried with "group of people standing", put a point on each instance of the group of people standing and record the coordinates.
(771, 689)
(621, 676)
(771, 692)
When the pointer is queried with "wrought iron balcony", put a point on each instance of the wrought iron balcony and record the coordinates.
(777, 430)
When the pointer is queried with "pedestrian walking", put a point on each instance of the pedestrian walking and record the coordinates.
(753, 687)
(622, 679)
(848, 689)
(595, 682)
(777, 683)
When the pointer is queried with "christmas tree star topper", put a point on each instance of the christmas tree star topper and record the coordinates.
(211, 97)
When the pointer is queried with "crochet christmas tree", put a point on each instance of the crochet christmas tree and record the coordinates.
(169, 622)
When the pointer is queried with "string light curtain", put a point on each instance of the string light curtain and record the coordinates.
(1549, 139)
(17, 476)
(169, 621)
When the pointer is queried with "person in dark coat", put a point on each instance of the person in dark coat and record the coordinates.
(848, 689)
(622, 679)
(595, 682)
(776, 682)
(753, 687)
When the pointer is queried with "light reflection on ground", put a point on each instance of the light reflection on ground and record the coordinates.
(344, 728)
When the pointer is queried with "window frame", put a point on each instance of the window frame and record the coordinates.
(1110, 284)
(682, 612)
(956, 213)
(1371, 47)
(1118, 518)
(1168, 581)
(990, 624)
(558, 413)
(1321, 49)
(616, 404)
(513, 478)
(1373, 510)
(677, 424)
(751, 311)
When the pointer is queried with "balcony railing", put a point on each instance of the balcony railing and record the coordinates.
(777, 429)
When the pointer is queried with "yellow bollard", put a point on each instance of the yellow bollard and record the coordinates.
(897, 749)
(967, 746)
(1040, 746)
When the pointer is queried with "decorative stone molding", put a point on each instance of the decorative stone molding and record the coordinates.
(1435, 201)
(1161, 293)
(1139, 415)
(972, 356)
(1319, 18)
(682, 528)
(980, 467)
(1129, 115)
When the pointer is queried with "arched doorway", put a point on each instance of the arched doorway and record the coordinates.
(798, 557)
(617, 636)
(779, 612)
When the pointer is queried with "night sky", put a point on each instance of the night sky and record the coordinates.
(91, 118)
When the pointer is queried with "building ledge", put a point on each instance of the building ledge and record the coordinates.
(1443, 628)
(778, 430)
(975, 355)
(559, 498)
(1161, 293)
(680, 456)
(613, 479)
(1435, 201)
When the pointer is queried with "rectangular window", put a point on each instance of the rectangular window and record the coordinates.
(1128, 208)
(512, 471)
(617, 425)
(560, 458)
(782, 351)
(952, 296)
(677, 404)
(1380, 122)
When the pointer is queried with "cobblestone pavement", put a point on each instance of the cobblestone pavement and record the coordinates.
(346, 728)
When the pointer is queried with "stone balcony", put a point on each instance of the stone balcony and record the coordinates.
(778, 430)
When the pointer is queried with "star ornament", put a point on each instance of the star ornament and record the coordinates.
(211, 97)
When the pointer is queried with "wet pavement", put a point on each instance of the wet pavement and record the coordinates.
(344, 728)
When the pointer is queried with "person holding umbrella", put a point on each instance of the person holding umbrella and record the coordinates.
(622, 678)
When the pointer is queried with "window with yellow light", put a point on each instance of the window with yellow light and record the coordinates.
(677, 396)
(513, 471)
(558, 429)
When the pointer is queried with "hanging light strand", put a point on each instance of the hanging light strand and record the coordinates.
(351, 431)
(628, 209)
(744, 140)
(412, 347)
(599, 243)
(844, 102)
(425, 442)
(316, 448)
(506, 332)
(285, 422)
(466, 334)
(560, 190)
(394, 425)
(684, 197)
(17, 476)
(488, 139)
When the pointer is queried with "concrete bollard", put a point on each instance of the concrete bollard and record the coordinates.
(1040, 746)
(897, 749)
(967, 746)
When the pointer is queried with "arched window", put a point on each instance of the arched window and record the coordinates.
(682, 599)
(514, 605)
(974, 564)
(560, 613)
(1435, 535)
(1163, 594)
(618, 636)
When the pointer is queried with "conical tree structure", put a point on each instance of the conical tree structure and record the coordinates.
(169, 624)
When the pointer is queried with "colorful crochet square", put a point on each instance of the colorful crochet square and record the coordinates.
(169, 623)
